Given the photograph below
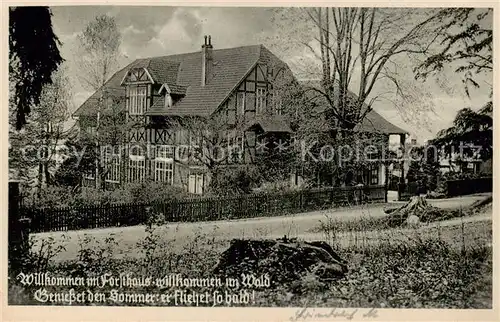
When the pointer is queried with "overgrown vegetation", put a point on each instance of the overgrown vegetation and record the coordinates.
(144, 192)
(440, 267)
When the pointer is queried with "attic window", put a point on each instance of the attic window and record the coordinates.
(168, 101)
(168, 97)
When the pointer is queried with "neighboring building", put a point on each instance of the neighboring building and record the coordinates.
(464, 165)
(234, 86)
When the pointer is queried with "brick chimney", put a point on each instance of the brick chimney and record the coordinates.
(206, 60)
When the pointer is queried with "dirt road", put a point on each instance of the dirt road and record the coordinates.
(298, 225)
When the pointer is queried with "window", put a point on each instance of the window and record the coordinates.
(112, 166)
(238, 148)
(137, 100)
(239, 142)
(92, 130)
(164, 164)
(374, 175)
(90, 175)
(195, 141)
(165, 151)
(168, 101)
(278, 104)
(235, 146)
(261, 100)
(164, 170)
(240, 103)
(136, 168)
(195, 184)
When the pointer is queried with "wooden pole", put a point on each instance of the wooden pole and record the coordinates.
(17, 229)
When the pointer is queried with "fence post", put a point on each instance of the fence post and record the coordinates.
(386, 181)
(17, 229)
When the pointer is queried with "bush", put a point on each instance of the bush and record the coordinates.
(228, 181)
(152, 192)
(463, 175)
(51, 197)
(145, 192)
(91, 196)
(423, 274)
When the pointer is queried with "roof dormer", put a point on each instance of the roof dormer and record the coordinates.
(164, 88)
(168, 98)
(137, 76)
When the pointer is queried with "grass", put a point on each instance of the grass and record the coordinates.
(331, 225)
(436, 267)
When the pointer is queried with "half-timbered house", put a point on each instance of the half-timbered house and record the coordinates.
(158, 96)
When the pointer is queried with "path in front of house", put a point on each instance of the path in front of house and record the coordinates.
(298, 225)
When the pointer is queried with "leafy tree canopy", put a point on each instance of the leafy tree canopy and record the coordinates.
(464, 39)
(471, 130)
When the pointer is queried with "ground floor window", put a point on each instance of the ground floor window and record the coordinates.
(369, 175)
(374, 174)
(196, 183)
(136, 168)
(164, 170)
(112, 167)
(164, 164)
(89, 175)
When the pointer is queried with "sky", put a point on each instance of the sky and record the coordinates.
(161, 30)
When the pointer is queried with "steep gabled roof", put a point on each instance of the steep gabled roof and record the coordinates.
(372, 122)
(183, 72)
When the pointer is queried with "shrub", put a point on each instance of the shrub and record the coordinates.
(51, 197)
(229, 181)
(152, 192)
(144, 192)
(91, 196)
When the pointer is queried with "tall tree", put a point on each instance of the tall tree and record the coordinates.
(464, 41)
(34, 150)
(356, 49)
(98, 52)
(97, 60)
(354, 57)
(33, 57)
